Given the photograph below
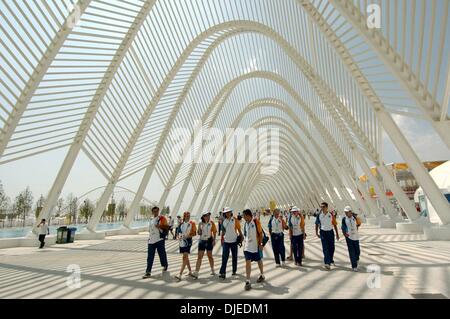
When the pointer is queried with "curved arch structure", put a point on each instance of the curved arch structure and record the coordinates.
(119, 88)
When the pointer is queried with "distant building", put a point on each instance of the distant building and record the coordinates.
(404, 177)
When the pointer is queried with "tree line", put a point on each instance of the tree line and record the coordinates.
(23, 205)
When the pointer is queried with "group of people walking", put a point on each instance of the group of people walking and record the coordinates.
(251, 237)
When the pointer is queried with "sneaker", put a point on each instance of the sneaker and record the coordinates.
(248, 286)
(333, 264)
(194, 275)
(212, 273)
(261, 278)
(327, 267)
(355, 269)
(147, 275)
(283, 264)
(277, 265)
(289, 258)
(234, 274)
(300, 264)
(165, 269)
(222, 276)
(178, 277)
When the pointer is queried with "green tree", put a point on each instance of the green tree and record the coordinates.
(122, 208)
(23, 203)
(39, 205)
(59, 206)
(165, 211)
(5, 202)
(72, 206)
(86, 209)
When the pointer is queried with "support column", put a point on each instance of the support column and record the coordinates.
(422, 176)
(374, 182)
(134, 207)
(399, 194)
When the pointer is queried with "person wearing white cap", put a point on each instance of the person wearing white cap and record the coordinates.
(297, 234)
(326, 222)
(350, 225)
(231, 236)
(207, 231)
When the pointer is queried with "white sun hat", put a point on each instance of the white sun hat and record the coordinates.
(295, 209)
(227, 209)
(347, 209)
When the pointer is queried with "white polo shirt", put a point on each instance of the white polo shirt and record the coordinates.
(230, 230)
(296, 225)
(326, 221)
(154, 233)
(250, 239)
(277, 225)
(206, 230)
(352, 228)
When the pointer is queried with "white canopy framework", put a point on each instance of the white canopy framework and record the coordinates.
(114, 78)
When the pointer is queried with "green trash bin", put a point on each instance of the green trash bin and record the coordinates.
(71, 234)
(61, 235)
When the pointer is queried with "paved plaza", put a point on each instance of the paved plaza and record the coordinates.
(410, 267)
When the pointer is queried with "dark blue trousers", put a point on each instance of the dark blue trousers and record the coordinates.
(278, 247)
(353, 251)
(327, 238)
(297, 248)
(161, 249)
(226, 253)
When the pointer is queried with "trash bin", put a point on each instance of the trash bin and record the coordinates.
(71, 234)
(61, 235)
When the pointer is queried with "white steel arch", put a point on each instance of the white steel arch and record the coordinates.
(137, 69)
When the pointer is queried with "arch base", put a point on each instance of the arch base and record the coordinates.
(440, 232)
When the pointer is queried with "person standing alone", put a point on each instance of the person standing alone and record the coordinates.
(43, 231)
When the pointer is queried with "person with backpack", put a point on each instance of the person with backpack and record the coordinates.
(188, 230)
(297, 234)
(350, 225)
(207, 231)
(253, 246)
(326, 222)
(158, 229)
(230, 239)
(276, 226)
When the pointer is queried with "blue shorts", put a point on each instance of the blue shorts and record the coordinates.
(186, 249)
(205, 245)
(252, 256)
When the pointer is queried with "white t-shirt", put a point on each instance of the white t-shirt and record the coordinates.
(154, 233)
(326, 221)
(296, 225)
(352, 229)
(185, 230)
(230, 230)
(250, 239)
(43, 229)
(277, 225)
